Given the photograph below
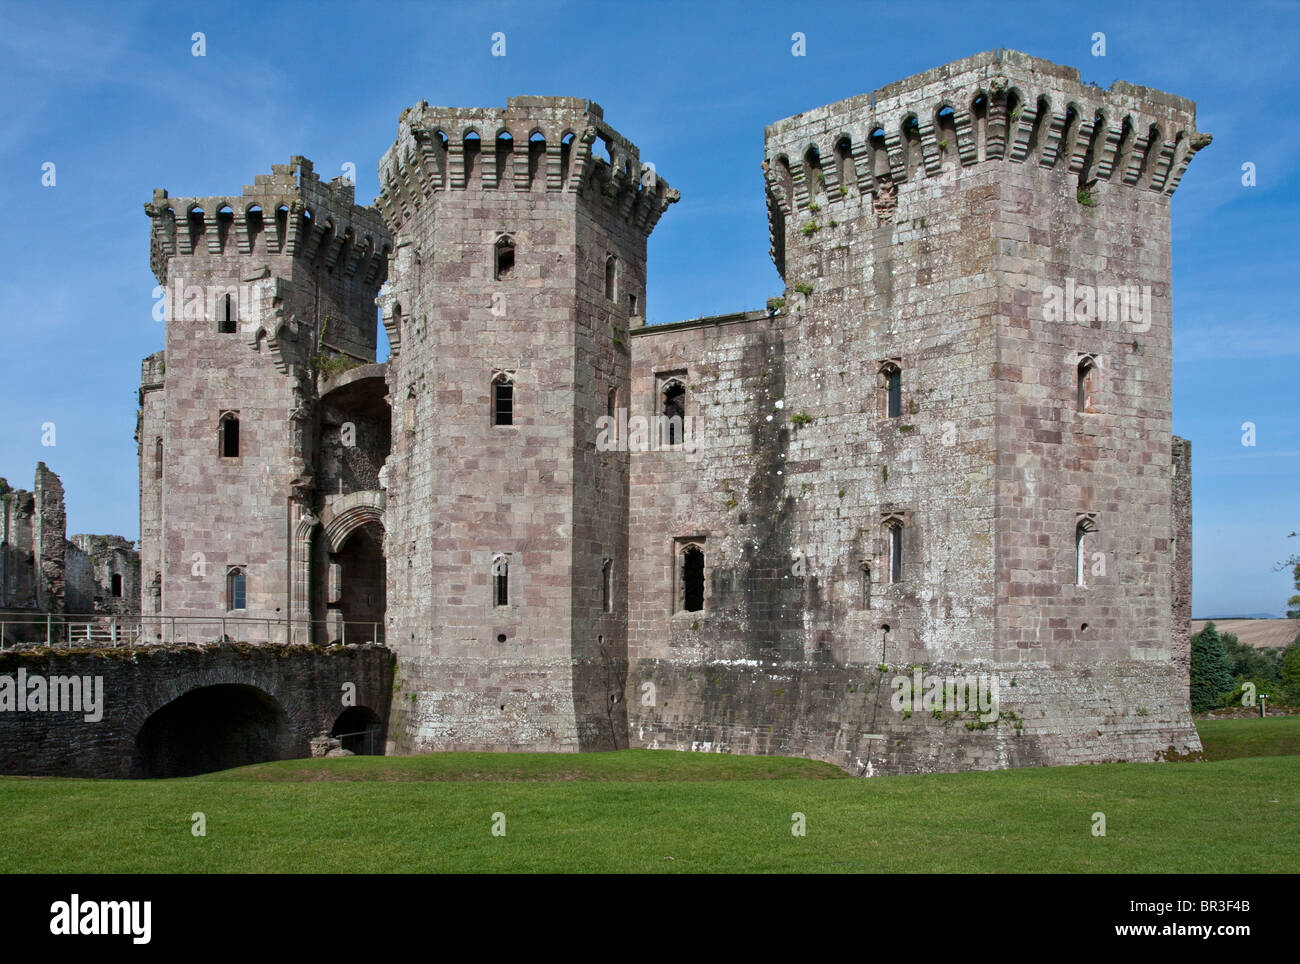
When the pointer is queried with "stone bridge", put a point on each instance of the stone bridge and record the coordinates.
(169, 711)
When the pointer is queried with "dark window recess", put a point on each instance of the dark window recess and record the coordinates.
(501, 582)
(505, 259)
(895, 392)
(227, 315)
(606, 586)
(238, 589)
(230, 438)
(116, 585)
(693, 579)
(611, 271)
(503, 402)
(674, 412)
(631, 304)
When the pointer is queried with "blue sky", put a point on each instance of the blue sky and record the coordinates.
(112, 95)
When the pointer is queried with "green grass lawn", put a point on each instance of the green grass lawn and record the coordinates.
(1229, 739)
(634, 810)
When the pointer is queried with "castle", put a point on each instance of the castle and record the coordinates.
(945, 452)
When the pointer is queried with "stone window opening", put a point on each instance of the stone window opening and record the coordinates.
(893, 524)
(115, 585)
(504, 258)
(1085, 525)
(611, 278)
(607, 586)
(226, 315)
(229, 435)
(611, 403)
(1085, 383)
(672, 395)
(503, 399)
(631, 304)
(690, 577)
(864, 584)
(236, 589)
(500, 580)
(157, 458)
(890, 383)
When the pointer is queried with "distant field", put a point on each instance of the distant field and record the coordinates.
(1260, 633)
(664, 812)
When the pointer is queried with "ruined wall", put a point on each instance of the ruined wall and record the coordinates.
(541, 671)
(92, 563)
(304, 683)
(912, 226)
(32, 552)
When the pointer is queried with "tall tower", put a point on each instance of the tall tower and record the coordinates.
(266, 294)
(518, 270)
(951, 447)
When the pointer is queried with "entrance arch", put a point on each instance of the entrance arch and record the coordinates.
(211, 728)
(360, 730)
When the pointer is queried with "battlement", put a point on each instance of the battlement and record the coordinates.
(289, 211)
(998, 106)
(536, 144)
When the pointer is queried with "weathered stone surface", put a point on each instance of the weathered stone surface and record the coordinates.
(921, 228)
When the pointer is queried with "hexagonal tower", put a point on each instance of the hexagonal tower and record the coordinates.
(950, 449)
(264, 292)
(519, 266)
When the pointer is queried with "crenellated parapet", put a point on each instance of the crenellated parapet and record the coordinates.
(996, 107)
(290, 211)
(536, 144)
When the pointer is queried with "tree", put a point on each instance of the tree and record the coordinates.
(1291, 674)
(1293, 563)
(1211, 672)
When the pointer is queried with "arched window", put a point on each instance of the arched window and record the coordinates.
(229, 435)
(157, 458)
(226, 317)
(505, 147)
(690, 578)
(1084, 383)
(672, 395)
(1086, 524)
(607, 586)
(501, 580)
(504, 257)
(611, 277)
(891, 388)
(236, 588)
(864, 584)
(611, 403)
(503, 399)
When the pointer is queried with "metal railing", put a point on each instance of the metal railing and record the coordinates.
(19, 629)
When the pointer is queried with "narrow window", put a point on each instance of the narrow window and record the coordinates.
(674, 412)
(895, 531)
(503, 400)
(631, 304)
(230, 435)
(226, 315)
(607, 585)
(864, 585)
(691, 579)
(115, 585)
(1084, 526)
(236, 589)
(1083, 384)
(505, 258)
(891, 388)
(501, 581)
(611, 271)
(157, 458)
(611, 403)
